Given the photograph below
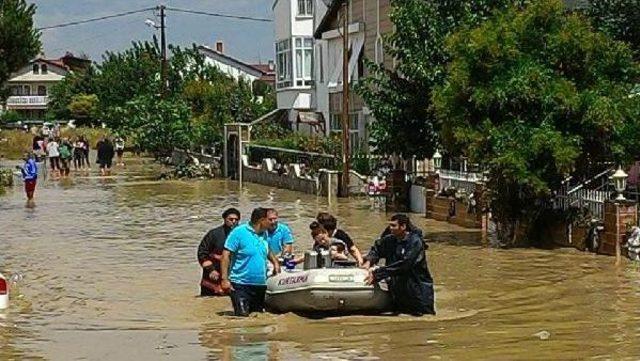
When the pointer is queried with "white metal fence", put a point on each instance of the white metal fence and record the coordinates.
(593, 200)
(459, 180)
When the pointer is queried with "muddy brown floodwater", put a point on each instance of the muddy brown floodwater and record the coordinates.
(110, 274)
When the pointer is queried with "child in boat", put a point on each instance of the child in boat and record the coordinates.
(322, 241)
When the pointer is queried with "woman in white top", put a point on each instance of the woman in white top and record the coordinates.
(53, 152)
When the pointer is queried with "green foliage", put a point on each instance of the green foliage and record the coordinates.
(533, 96)
(331, 145)
(270, 130)
(84, 107)
(10, 116)
(62, 93)
(212, 97)
(19, 40)
(156, 125)
(618, 18)
(400, 98)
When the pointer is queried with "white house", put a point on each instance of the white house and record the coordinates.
(235, 68)
(29, 87)
(294, 46)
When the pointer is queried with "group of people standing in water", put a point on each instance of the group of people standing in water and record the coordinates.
(236, 258)
(62, 152)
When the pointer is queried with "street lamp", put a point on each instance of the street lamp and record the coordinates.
(620, 183)
(437, 160)
(151, 23)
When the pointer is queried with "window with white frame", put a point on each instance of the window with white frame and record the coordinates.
(283, 63)
(294, 62)
(305, 7)
(304, 61)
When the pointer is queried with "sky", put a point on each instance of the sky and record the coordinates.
(246, 40)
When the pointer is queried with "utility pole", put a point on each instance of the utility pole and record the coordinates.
(345, 99)
(163, 45)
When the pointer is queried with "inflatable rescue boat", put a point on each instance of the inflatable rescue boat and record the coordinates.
(331, 290)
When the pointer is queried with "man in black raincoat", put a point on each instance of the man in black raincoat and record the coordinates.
(406, 269)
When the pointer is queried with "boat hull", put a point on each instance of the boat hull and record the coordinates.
(331, 290)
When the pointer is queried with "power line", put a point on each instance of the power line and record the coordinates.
(95, 19)
(239, 17)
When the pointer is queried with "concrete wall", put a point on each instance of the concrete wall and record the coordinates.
(301, 25)
(282, 16)
(284, 181)
(179, 156)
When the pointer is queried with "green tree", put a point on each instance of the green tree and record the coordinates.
(19, 40)
(83, 107)
(618, 18)
(534, 96)
(10, 116)
(400, 98)
(62, 93)
(156, 125)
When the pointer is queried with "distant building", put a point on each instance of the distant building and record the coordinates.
(235, 68)
(29, 87)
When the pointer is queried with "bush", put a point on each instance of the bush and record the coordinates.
(10, 116)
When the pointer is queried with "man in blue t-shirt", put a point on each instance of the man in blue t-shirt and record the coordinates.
(244, 264)
(279, 235)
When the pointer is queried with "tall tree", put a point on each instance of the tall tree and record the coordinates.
(534, 96)
(400, 98)
(19, 40)
(81, 82)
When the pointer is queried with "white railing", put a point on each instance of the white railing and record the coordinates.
(593, 200)
(459, 180)
(26, 100)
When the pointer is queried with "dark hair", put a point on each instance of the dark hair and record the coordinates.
(230, 211)
(316, 229)
(402, 220)
(329, 222)
(258, 214)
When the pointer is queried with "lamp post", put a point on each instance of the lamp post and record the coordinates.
(620, 183)
(437, 160)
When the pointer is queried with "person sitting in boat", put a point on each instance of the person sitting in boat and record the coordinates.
(323, 242)
(406, 269)
(210, 253)
(279, 236)
(330, 223)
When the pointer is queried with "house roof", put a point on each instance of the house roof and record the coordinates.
(333, 6)
(266, 69)
(229, 60)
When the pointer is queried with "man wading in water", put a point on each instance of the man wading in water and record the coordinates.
(244, 264)
(210, 253)
(406, 268)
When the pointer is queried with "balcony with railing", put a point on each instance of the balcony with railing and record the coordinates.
(27, 102)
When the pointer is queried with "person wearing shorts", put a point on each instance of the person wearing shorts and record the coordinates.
(29, 175)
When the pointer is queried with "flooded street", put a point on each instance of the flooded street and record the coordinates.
(110, 273)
